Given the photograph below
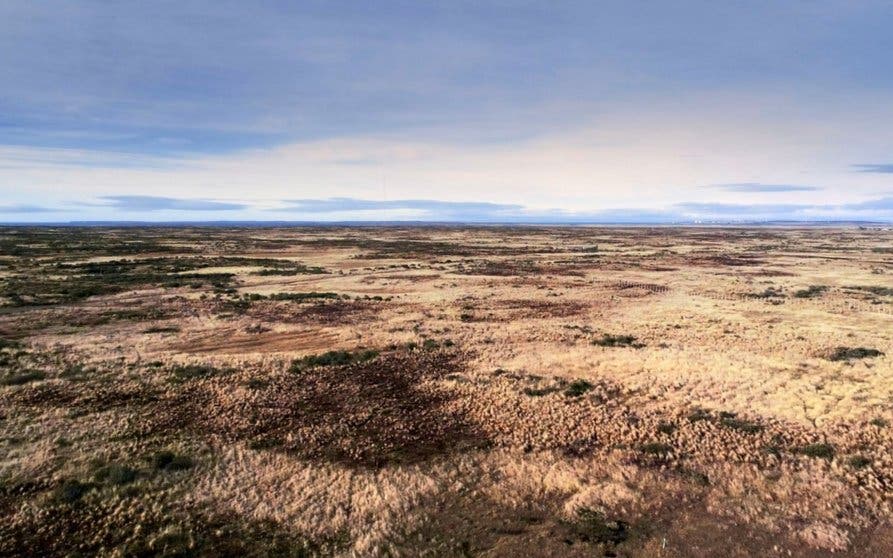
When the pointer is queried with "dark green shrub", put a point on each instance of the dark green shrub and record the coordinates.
(21, 378)
(115, 474)
(186, 372)
(577, 388)
(821, 451)
(592, 526)
(332, 358)
(847, 353)
(666, 428)
(656, 448)
(70, 491)
(811, 291)
(731, 421)
(608, 340)
(167, 460)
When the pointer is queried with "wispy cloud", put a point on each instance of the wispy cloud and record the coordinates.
(881, 204)
(156, 203)
(25, 208)
(740, 209)
(884, 168)
(759, 187)
(332, 205)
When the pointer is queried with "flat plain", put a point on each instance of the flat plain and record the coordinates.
(446, 391)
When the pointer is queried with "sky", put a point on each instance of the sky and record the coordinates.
(471, 111)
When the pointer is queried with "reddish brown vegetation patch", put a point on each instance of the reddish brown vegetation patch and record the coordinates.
(366, 414)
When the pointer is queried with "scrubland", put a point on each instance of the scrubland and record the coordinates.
(446, 391)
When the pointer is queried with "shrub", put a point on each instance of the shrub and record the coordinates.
(656, 448)
(577, 388)
(821, 451)
(9, 344)
(859, 462)
(593, 526)
(162, 329)
(167, 460)
(21, 378)
(186, 372)
(115, 474)
(729, 420)
(332, 358)
(698, 414)
(847, 353)
(70, 491)
(608, 340)
(539, 392)
(666, 428)
(811, 291)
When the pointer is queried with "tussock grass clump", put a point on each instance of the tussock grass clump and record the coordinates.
(851, 353)
(820, 451)
(332, 358)
(609, 340)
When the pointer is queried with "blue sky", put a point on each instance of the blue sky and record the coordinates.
(485, 111)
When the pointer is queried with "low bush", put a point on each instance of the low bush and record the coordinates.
(167, 460)
(811, 291)
(821, 451)
(849, 353)
(332, 358)
(577, 388)
(21, 378)
(608, 340)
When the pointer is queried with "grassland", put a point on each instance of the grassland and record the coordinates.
(446, 391)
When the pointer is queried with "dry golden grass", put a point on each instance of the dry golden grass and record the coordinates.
(502, 391)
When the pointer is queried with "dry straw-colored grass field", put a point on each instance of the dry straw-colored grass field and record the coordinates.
(424, 391)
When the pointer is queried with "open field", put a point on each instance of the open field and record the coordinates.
(671, 392)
